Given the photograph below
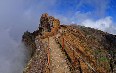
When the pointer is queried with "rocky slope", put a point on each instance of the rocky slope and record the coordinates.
(81, 49)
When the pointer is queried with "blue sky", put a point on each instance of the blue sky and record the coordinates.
(112, 9)
(25, 14)
(105, 7)
(68, 7)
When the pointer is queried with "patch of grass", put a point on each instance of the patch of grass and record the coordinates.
(103, 59)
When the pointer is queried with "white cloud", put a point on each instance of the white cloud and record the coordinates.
(79, 16)
(17, 16)
(94, 19)
(12, 54)
(101, 24)
(99, 6)
(105, 24)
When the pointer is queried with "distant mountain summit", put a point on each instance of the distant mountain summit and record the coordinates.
(56, 48)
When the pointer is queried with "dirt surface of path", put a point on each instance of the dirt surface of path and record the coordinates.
(58, 63)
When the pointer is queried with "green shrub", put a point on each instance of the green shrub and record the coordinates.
(103, 59)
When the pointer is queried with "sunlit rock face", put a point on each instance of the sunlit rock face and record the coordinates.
(81, 49)
(48, 22)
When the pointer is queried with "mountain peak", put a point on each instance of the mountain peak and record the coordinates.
(57, 48)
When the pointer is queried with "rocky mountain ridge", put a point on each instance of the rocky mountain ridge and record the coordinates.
(84, 49)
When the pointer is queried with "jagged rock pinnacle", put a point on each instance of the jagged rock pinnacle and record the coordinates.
(48, 22)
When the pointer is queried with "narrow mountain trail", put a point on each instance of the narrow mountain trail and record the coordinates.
(58, 63)
(58, 60)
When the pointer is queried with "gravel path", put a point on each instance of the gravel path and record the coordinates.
(58, 60)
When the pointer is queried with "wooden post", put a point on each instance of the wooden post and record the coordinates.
(73, 57)
(48, 56)
(63, 40)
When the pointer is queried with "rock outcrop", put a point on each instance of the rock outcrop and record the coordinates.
(86, 50)
(48, 22)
